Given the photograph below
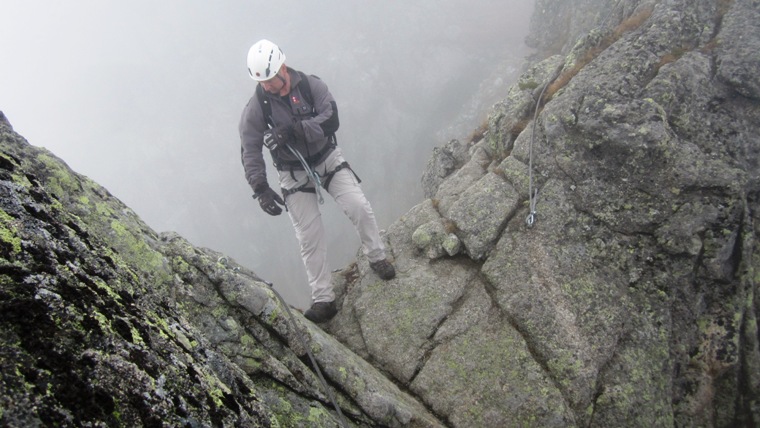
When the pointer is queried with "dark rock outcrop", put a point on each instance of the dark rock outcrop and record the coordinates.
(106, 323)
(90, 336)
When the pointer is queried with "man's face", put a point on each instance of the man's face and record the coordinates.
(273, 85)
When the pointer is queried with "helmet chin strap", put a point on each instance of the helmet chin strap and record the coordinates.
(284, 82)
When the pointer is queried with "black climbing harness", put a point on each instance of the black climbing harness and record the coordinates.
(329, 176)
(310, 173)
(325, 183)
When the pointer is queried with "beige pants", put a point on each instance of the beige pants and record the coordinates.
(303, 208)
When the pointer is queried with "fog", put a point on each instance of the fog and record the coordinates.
(144, 97)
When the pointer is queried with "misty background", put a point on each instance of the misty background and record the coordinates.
(144, 97)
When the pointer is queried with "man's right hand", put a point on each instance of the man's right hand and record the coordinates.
(277, 137)
(268, 199)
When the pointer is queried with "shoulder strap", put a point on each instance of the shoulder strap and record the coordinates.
(305, 88)
(266, 107)
(306, 92)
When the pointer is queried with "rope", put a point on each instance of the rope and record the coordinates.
(291, 319)
(330, 395)
(310, 172)
(533, 195)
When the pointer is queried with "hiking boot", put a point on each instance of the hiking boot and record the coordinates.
(384, 269)
(321, 312)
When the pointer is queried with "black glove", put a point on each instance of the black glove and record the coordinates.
(278, 137)
(267, 198)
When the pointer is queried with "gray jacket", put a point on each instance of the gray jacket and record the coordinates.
(318, 124)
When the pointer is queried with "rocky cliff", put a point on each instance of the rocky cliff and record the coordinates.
(631, 298)
(628, 299)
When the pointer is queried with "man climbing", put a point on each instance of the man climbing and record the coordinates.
(295, 117)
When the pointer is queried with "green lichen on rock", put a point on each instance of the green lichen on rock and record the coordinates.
(8, 233)
(85, 339)
(493, 360)
(292, 412)
(58, 178)
(433, 239)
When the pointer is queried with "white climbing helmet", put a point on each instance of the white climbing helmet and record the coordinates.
(264, 60)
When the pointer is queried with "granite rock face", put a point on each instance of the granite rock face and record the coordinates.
(632, 298)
